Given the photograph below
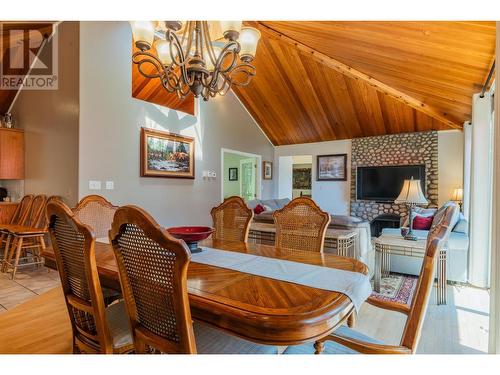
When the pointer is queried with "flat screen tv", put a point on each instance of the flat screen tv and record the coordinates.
(383, 184)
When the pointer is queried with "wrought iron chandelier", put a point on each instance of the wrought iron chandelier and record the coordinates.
(205, 58)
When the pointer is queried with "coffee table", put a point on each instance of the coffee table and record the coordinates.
(388, 244)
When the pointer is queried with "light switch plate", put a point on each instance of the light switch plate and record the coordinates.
(110, 185)
(94, 185)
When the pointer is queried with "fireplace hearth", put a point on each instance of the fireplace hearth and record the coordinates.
(384, 221)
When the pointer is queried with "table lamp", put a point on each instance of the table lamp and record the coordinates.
(458, 196)
(411, 195)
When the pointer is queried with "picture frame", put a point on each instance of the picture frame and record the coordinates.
(331, 167)
(167, 155)
(233, 174)
(267, 170)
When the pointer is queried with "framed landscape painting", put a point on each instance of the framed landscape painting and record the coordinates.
(165, 154)
(332, 167)
(267, 170)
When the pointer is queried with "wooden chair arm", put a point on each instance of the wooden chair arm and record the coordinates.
(388, 305)
(367, 347)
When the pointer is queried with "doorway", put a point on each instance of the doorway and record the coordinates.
(241, 174)
(295, 176)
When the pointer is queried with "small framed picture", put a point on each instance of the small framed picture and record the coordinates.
(233, 174)
(332, 167)
(267, 170)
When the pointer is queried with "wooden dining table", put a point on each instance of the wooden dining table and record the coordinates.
(256, 308)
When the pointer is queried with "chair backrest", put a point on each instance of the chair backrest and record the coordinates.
(73, 244)
(153, 274)
(436, 239)
(22, 210)
(36, 212)
(96, 212)
(301, 225)
(231, 220)
(44, 221)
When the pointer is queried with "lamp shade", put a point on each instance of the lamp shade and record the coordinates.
(143, 31)
(411, 193)
(458, 195)
(249, 38)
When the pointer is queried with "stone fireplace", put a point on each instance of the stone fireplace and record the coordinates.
(396, 149)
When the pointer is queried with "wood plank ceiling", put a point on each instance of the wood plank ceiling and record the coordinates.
(15, 53)
(321, 81)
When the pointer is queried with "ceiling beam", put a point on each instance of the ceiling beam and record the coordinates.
(356, 74)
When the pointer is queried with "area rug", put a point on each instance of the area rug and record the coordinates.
(397, 288)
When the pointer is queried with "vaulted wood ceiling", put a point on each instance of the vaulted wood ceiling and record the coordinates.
(19, 56)
(320, 81)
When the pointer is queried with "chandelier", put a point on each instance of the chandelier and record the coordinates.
(201, 57)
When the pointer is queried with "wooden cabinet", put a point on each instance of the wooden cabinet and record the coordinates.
(11, 154)
(7, 210)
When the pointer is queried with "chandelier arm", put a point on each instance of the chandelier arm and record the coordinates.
(227, 51)
(245, 68)
(208, 44)
(141, 58)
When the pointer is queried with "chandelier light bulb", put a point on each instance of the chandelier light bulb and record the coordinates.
(249, 38)
(143, 33)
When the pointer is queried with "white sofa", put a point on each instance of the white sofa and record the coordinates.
(456, 257)
(362, 227)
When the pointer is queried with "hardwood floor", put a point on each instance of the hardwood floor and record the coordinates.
(461, 327)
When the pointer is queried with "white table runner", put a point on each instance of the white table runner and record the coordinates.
(353, 284)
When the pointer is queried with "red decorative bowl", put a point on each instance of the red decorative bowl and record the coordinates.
(191, 235)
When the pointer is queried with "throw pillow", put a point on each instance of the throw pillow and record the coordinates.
(422, 223)
(419, 211)
(259, 209)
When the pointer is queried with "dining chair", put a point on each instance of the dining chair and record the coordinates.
(153, 269)
(96, 212)
(96, 328)
(20, 215)
(28, 237)
(348, 341)
(301, 225)
(231, 220)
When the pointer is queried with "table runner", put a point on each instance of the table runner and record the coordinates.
(353, 284)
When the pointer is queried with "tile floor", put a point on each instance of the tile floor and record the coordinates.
(28, 284)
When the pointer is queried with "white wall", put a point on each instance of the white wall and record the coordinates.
(110, 122)
(331, 196)
(450, 163)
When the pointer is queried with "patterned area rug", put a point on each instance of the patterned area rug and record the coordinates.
(397, 288)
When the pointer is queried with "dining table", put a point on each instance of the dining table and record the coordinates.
(256, 308)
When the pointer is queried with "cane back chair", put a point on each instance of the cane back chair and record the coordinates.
(153, 274)
(231, 220)
(347, 340)
(301, 225)
(96, 329)
(96, 212)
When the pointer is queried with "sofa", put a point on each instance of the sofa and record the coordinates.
(362, 227)
(457, 247)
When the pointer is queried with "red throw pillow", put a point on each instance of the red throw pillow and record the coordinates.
(422, 223)
(259, 209)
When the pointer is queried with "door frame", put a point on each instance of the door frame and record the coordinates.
(258, 176)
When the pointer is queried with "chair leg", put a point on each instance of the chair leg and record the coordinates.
(319, 346)
(40, 250)
(18, 254)
(5, 254)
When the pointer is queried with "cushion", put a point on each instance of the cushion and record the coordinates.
(419, 211)
(422, 223)
(118, 324)
(462, 225)
(253, 203)
(331, 347)
(267, 208)
(280, 203)
(214, 341)
(259, 209)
